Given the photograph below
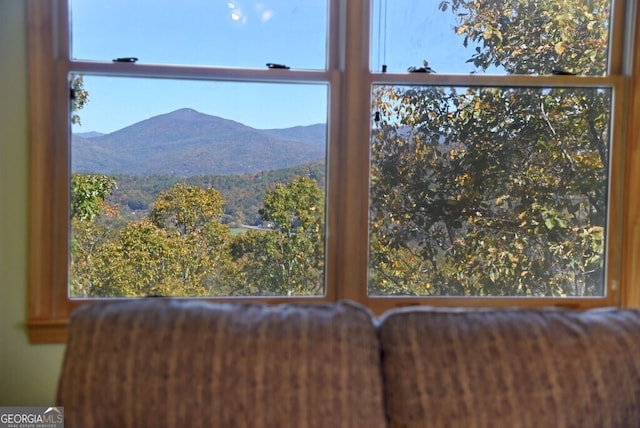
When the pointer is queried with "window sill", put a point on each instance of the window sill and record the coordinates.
(47, 331)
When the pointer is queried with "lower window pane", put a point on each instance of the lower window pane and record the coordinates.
(183, 188)
(488, 191)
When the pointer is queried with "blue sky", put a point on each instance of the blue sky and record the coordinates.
(244, 33)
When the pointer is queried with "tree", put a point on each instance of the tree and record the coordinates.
(191, 215)
(497, 191)
(88, 201)
(287, 259)
(180, 249)
(80, 97)
(526, 37)
(88, 194)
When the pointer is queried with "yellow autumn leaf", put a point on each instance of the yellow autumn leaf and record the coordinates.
(559, 48)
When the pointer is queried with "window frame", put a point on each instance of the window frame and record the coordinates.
(622, 38)
(350, 79)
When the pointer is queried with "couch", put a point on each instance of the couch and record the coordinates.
(183, 363)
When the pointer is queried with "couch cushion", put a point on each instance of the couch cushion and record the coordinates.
(179, 363)
(512, 368)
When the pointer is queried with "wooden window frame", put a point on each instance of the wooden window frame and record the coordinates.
(350, 82)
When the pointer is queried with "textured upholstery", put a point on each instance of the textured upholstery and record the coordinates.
(179, 363)
(511, 368)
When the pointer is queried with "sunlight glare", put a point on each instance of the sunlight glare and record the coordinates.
(237, 14)
(267, 15)
(264, 12)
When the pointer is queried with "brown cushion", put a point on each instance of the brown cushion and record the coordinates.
(512, 368)
(179, 363)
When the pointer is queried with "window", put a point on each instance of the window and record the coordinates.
(489, 191)
(455, 153)
(215, 184)
(195, 203)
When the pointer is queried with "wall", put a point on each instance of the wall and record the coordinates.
(28, 373)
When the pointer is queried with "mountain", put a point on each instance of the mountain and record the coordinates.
(312, 134)
(186, 143)
(90, 134)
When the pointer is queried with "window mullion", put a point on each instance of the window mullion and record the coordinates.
(333, 185)
(354, 154)
(620, 29)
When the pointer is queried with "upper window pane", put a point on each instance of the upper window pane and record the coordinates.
(193, 188)
(237, 33)
(491, 36)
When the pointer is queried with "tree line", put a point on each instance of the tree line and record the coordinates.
(243, 194)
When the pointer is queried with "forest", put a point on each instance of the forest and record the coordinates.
(243, 194)
(181, 247)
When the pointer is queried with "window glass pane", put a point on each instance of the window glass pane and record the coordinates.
(195, 188)
(238, 33)
(498, 37)
(489, 191)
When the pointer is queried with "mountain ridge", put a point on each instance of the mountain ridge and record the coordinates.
(186, 142)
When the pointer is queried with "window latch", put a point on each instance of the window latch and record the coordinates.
(271, 65)
(126, 59)
(560, 72)
(424, 69)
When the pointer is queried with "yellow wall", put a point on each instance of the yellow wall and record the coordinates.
(28, 373)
